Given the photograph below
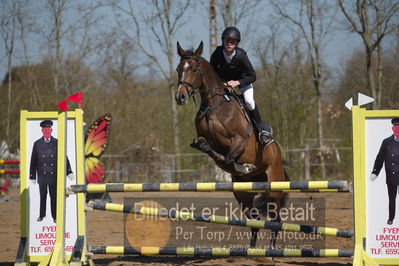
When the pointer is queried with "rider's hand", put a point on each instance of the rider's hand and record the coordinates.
(233, 83)
(33, 181)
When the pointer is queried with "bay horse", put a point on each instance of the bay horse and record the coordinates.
(224, 132)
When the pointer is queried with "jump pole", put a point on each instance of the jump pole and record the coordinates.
(252, 223)
(298, 186)
(360, 258)
(220, 252)
(9, 161)
(5, 171)
(9, 171)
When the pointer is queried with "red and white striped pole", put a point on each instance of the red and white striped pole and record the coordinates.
(9, 161)
(9, 171)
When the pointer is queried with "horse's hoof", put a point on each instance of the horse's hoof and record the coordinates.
(201, 145)
(249, 167)
(239, 168)
(244, 168)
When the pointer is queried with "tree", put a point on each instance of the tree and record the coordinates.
(12, 23)
(234, 12)
(238, 13)
(285, 81)
(313, 20)
(57, 9)
(70, 32)
(373, 20)
(162, 23)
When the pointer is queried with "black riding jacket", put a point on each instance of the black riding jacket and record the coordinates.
(239, 68)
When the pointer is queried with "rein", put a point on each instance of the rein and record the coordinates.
(193, 91)
(205, 110)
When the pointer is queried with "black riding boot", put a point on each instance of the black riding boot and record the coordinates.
(264, 130)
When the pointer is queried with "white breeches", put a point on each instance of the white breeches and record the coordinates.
(248, 92)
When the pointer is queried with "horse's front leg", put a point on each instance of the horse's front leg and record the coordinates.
(203, 145)
(228, 160)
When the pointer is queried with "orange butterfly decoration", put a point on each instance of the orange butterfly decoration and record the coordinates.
(96, 141)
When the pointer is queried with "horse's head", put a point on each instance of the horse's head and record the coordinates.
(189, 73)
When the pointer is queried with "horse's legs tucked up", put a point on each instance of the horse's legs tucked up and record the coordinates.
(228, 160)
(204, 146)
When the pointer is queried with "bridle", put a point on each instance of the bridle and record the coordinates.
(195, 89)
(204, 109)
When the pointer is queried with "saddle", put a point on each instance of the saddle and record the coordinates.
(240, 98)
(235, 93)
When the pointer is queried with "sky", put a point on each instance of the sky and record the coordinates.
(339, 47)
(336, 51)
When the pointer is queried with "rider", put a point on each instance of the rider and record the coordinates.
(232, 65)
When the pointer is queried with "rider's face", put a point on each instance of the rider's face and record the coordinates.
(229, 44)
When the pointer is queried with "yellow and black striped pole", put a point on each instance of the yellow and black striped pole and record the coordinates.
(222, 252)
(286, 186)
(173, 214)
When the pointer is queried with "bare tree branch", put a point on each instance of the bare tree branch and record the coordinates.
(375, 20)
(309, 20)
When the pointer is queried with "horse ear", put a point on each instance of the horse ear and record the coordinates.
(180, 50)
(198, 52)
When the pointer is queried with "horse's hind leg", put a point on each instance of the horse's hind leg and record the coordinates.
(274, 201)
(246, 200)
